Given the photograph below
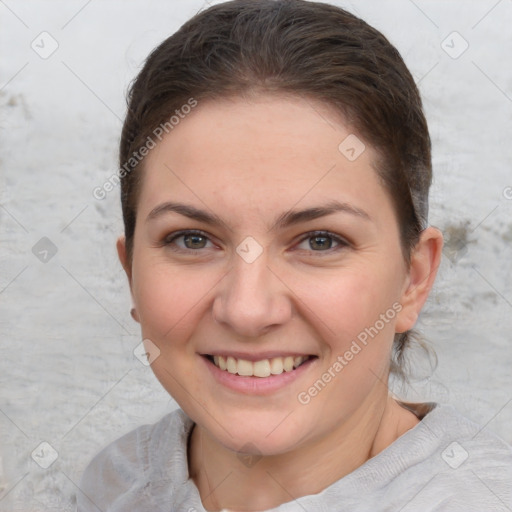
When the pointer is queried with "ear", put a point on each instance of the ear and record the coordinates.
(123, 258)
(425, 260)
(127, 265)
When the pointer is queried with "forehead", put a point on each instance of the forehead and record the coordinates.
(259, 155)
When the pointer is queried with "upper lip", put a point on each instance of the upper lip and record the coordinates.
(255, 356)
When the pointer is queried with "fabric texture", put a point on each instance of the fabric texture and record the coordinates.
(445, 463)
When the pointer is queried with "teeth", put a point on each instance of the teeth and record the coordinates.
(231, 365)
(245, 367)
(263, 368)
(288, 364)
(276, 366)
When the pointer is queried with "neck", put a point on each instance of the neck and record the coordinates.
(269, 481)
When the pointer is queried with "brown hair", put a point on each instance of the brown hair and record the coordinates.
(303, 48)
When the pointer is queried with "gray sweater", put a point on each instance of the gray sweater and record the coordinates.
(445, 463)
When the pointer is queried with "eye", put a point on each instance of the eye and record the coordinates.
(188, 240)
(322, 241)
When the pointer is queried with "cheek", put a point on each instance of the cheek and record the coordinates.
(348, 301)
(172, 302)
(355, 314)
(170, 299)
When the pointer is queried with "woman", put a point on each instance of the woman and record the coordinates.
(275, 168)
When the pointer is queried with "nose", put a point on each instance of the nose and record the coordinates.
(252, 299)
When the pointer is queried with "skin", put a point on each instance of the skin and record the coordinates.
(248, 161)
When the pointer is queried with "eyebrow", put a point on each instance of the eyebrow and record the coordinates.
(286, 219)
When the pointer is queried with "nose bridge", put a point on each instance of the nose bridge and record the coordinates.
(251, 299)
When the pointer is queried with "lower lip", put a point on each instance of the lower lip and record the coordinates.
(256, 385)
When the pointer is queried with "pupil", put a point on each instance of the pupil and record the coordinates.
(320, 242)
(194, 241)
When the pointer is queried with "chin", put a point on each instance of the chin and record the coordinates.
(259, 433)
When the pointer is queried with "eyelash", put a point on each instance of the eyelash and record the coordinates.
(168, 240)
(342, 243)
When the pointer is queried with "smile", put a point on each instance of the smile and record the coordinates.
(262, 368)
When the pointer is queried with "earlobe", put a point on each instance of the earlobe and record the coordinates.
(135, 315)
(425, 260)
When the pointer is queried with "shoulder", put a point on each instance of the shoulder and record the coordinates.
(445, 463)
(468, 441)
(124, 472)
(467, 467)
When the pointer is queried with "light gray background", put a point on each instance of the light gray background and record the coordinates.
(68, 376)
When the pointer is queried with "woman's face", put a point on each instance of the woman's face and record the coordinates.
(294, 252)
